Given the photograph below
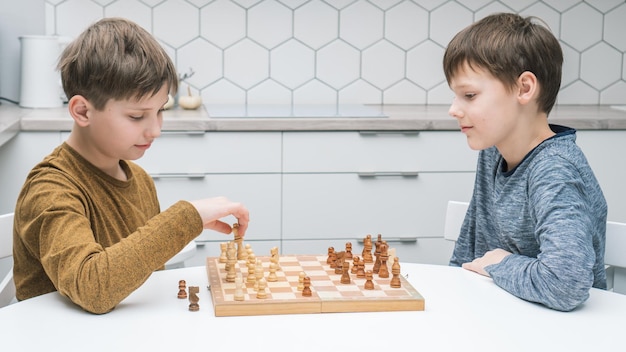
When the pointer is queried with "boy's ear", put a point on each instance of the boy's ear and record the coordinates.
(528, 87)
(79, 107)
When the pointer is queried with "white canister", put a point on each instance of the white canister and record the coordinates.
(40, 80)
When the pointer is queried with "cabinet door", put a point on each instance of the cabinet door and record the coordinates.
(376, 151)
(259, 193)
(603, 150)
(328, 206)
(17, 157)
(214, 152)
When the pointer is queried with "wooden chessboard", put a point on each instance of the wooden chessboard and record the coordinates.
(329, 295)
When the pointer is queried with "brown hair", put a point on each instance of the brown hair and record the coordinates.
(115, 59)
(506, 45)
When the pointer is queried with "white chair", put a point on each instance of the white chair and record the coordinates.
(7, 287)
(615, 256)
(455, 214)
(178, 261)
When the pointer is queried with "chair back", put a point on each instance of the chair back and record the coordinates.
(615, 253)
(455, 214)
(7, 287)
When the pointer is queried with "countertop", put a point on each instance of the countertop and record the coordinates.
(308, 118)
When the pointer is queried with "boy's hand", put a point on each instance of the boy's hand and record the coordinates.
(492, 257)
(211, 210)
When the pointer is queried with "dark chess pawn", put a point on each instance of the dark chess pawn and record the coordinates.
(306, 291)
(395, 271)
(369, 284)
(182, 287)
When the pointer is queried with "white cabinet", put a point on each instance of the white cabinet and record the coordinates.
(604, 151)
(17, 157)
(242, 166)
(341, 186)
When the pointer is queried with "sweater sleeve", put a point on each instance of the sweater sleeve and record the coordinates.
(562, 273)
(64, 228)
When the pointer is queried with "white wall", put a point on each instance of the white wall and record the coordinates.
(17, 18)
(332, 51)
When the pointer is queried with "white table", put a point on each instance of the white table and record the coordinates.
(464, 312)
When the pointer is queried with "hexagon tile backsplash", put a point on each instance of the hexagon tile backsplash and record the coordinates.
(351, 52)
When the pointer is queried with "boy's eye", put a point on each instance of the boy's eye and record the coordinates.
(470, 95)
(136, 117)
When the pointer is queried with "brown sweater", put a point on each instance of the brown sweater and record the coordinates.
(93, 238)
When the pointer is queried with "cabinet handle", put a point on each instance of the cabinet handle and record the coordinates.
(190, 133)
(174, 175)
(393, 240)
(376, 133)
(407, 174)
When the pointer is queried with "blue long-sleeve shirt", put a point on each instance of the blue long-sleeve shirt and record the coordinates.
(549, 212)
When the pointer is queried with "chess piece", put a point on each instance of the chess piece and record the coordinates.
(193, 298)
(223, 258)
(331, 250)
(274, 258)
(258, 273)
(301, 277)
(367, 249)
(241, 251)
(355, 264)
(272, 277)
(306, 291)
(339, 266)
(345, 276)
(376, 266)
(360, 273)
(369, 284)
(246, 251)
(392, 255)
(182, 289)
(239, 296)
(251, 268)
(332, 259)
(231, 264)
(348, 250)
(260, 293)
(395, 271)
(383, 272)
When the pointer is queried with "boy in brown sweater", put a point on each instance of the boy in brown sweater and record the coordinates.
(87, 221)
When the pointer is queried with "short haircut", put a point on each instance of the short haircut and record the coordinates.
(506, 45)
(115, 59)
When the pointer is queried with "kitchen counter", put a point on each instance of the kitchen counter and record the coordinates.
(308, 118)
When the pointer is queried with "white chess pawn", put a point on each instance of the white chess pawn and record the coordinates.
(239, 296)
(261, 292)
(301, 280)
(272, 277)
(258, 273)
(223, 257)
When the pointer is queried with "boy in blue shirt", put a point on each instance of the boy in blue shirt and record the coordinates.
(536, 221)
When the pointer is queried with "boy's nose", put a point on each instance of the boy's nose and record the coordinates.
(454, 110)
(154, 128)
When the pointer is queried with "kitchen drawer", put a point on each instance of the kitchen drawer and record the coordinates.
(423, 250)
(327, 206)
(371, 152)
(214, 152)
(259, 193)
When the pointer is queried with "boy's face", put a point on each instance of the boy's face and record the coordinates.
(484, 108)
(125, 129)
